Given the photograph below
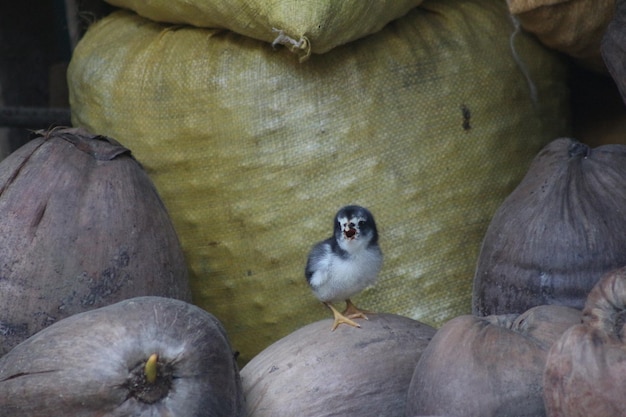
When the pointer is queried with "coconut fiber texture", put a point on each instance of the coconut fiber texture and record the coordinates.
(488, 366)
(429, 123)
(303, 26)
(81, 227)
(557, 233)
(585, 373)
(93, 364)
(349, 372)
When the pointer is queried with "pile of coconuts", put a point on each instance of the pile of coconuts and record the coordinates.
(96, 317)
(95, 313)
(543, 258)
(547, 337)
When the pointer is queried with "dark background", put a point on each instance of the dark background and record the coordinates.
(36, 42)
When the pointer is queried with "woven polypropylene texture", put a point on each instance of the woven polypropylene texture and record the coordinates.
(429, 123)
(304, 26)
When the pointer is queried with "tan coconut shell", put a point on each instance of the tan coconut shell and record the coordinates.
(585, 372)
(557, 233)
(347, 372)
(488, 366)
(93, 364)
(81, 226)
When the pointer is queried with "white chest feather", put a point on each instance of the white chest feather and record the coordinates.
(338, 278)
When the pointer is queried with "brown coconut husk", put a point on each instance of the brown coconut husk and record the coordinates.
(146, 356)
(360, 372)
(585, 372)
(81, 227)
(488, 366)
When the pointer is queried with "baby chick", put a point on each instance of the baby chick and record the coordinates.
(346, 263)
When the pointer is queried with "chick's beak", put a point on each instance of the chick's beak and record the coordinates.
(350, 233)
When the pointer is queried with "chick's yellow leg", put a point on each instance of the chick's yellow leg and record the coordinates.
(340, 318)
(353, 312)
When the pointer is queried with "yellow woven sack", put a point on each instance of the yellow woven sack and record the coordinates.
(430, 123)
(303, 26)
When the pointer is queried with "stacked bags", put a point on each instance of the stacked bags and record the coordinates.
(312, 26)
(430, 122)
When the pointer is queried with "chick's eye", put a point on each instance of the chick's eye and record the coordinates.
(361, 223)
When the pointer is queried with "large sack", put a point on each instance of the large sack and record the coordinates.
(303, 26)
(430, 123)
